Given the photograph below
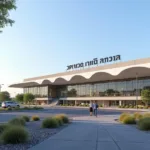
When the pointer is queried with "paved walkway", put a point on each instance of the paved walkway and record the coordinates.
(100, 133)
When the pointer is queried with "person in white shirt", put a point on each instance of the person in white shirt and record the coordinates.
(91, 108)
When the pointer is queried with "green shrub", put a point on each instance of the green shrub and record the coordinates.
(122, 116)
(130, 106)
(59, 119)
(119, 106)
(26, 118)
(17, 121)
(1, 109)
(137, 115)
(101, 105)
(146, 115)
(9, 109)
(140, 106)
(40, 108)
(16, 108)
(35, 118)
(50, 123)
(64, 118)
(3, 127)
(26, 108)
(123, 106)
(145, 107)
(144, 124)
(37, 108)
(14, 135)
(126, 106)
(129, 120)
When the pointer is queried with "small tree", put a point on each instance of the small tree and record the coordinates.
(19, 98)
(4, 96)
(109, 92)
(145, 94)
(28, 98)
(72, 93)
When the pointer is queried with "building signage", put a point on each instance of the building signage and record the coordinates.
(95, 61)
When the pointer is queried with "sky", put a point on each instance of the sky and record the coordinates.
(48, 35)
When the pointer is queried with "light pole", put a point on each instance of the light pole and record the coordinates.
(136, 91)
(1, 87)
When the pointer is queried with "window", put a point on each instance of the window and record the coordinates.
(39, 91)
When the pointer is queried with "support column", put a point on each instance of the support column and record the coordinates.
(75, 103)
(103, 104)
(120, 103)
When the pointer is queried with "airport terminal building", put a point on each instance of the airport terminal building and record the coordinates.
(114, 84)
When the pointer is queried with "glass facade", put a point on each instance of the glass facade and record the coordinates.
(37, 91)
(116, 88)
(112, 88)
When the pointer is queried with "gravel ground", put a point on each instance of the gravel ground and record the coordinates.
(37, 135)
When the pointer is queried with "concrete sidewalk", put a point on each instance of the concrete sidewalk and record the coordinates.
(97, 135)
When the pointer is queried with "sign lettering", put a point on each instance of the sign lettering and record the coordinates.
(95, 61)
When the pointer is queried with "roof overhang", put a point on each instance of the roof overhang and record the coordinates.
(22, 85)
(99, 76)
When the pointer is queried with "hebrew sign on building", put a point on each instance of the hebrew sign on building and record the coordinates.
(95, 61)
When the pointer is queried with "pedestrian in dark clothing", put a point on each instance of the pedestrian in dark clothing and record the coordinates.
(91, 108)
(95, 107)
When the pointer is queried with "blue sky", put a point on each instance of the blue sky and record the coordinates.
(50, 34)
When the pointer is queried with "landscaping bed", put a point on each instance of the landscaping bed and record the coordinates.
(20, 109)
(140, 120)
(36, 133)
(134, 107)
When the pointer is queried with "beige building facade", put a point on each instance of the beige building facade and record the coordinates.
(110, 85)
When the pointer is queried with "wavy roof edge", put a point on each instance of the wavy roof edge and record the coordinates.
(102, 67)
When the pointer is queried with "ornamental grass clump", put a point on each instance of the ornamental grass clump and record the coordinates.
(50, 123)
(137, 116)
(144, 124)
(129, 120)
(35, 118)
(14, 135)
(17, 121)
(146, 115)
(122, 116)
(26, 118)
(59, 119)
(64, 118)
(3, 127)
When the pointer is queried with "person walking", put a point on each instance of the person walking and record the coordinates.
(91, 108)
(95, 107)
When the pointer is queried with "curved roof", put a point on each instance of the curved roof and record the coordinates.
(124, 70)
